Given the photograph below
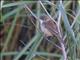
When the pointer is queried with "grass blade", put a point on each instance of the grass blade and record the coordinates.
(10, 32)
(28, 45)
(66, 23)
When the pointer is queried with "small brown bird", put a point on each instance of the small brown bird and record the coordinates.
(48, 26)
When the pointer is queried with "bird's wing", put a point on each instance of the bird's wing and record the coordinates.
(51, 26)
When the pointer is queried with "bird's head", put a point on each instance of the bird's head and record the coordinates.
(44, 18)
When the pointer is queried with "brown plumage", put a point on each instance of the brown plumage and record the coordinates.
(48, 26)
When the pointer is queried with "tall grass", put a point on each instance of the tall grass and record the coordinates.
(30, 42)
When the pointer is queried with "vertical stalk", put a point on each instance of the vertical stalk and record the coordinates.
(38, 14)
(63, 51)
(60, 38)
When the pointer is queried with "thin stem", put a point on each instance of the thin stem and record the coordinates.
(62, 45)
(61, 39)
(47, 12)
(75, 19)
(53, 44)
(63, 51)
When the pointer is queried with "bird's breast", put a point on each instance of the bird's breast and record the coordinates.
(45, 30)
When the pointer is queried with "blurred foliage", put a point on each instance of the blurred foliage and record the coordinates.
(21, 37)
